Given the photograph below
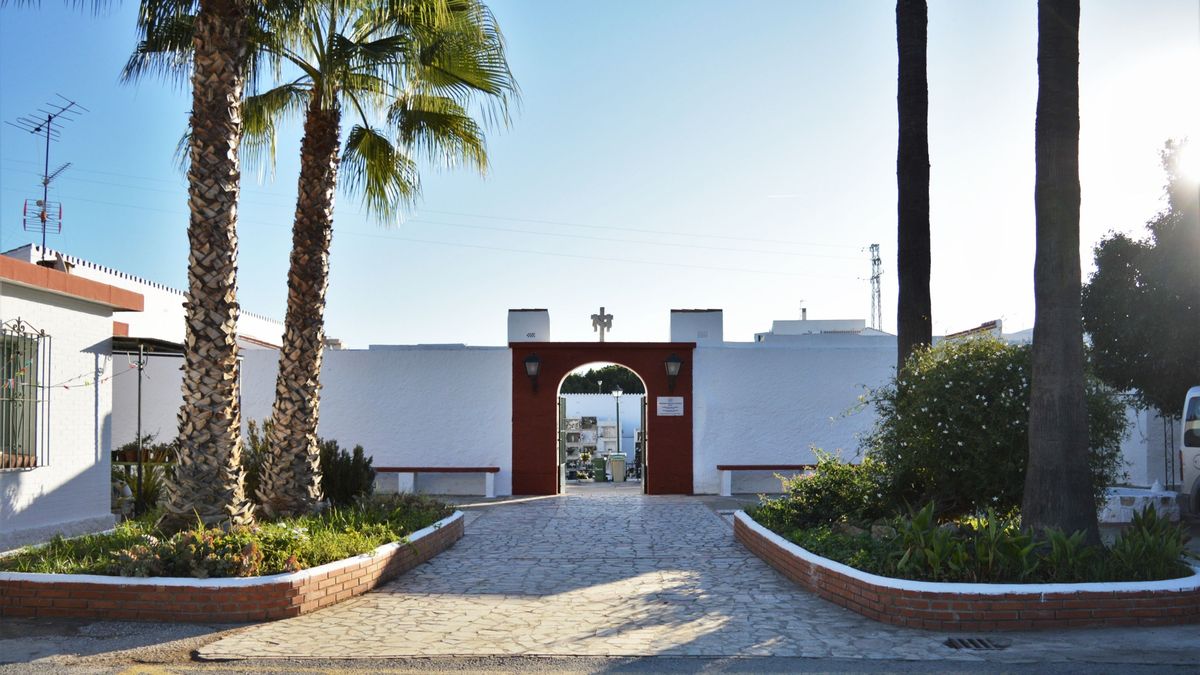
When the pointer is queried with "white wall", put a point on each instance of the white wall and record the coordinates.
(702, 326)
(70, 495)
(769, 404)
(409, 406)
(162, 394)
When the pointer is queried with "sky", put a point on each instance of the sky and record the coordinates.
(666, 154)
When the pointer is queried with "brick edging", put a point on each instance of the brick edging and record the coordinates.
(964, 607)
(221, 600)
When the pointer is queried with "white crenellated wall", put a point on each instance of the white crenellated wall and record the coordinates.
(162, 316)
(769, 404)
(70, 494)
(409, 406)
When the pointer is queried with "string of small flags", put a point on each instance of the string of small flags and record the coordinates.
(89, 381)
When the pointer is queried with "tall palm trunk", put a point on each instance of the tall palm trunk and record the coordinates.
(913, 323)
(1058, 490)
(291, 476)
(208, 482)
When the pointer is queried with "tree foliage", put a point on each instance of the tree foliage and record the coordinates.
(953, 428)
(1142, 304)
(603, 381)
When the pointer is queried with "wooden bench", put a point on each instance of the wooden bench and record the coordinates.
(407, 475)
(728, 469)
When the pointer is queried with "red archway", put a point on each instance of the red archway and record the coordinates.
(535, 420)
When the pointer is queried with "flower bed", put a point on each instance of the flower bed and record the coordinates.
(963, 607)
(225, 600)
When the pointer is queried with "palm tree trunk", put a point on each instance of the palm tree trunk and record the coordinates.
(208, 481)
(291, 476)
(1058, 489)
(913, 323)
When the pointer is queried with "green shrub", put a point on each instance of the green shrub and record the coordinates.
(953, 429)
(345, 476)
(1150, 548)
(254, 448)
(136, 548)
(835, 491)
(993, 549)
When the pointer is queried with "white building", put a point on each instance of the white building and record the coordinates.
(56, 401)
(164, 315)
(160, 329)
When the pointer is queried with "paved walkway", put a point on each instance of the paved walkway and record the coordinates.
(602, 573)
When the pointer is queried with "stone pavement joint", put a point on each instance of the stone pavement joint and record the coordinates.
(622, 574)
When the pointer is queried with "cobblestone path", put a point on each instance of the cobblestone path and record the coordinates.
(587, 574)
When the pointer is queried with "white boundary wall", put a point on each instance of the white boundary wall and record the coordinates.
(409, 406)
(771, 403)
(162, 394)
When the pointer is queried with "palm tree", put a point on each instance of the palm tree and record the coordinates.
(207, 484)
(913, 323)
(416, 66)
(1058, 490)
(417, 63)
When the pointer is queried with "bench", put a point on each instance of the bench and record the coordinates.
(728, 469)
(407, 475)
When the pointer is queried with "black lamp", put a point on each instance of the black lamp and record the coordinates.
(673, 364)
(533, 366)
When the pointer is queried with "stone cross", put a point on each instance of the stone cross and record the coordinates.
(601, 322)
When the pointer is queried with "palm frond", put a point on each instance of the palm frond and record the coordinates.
(374, 168)
(261, 114)
(466, 59)
(165, 30)
(440, 129)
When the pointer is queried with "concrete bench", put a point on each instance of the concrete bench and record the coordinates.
(728, 469)
(407, 475)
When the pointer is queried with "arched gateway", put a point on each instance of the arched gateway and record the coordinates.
(535, 412)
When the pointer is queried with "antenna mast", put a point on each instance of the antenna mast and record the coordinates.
(876, 301)
(42, 215)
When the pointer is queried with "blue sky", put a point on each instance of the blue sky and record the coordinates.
(666, 154)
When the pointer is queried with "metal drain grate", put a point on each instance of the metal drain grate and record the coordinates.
(977, 643)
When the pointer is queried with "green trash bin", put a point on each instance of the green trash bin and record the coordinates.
(598, 473)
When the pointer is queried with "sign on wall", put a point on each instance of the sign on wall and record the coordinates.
(670, 406)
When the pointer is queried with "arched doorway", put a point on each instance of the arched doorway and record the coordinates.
(535, 410)
(592, 428)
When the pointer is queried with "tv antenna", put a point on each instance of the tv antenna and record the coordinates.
(43, 215)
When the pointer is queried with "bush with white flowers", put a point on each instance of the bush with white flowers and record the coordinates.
(953, 428)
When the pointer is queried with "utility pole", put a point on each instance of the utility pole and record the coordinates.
(876, 299)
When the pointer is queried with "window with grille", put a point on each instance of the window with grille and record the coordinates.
(24, 396)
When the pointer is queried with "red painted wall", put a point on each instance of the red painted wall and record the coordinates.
(535, 414)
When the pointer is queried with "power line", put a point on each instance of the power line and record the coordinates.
(657, 263)
(724, 249)
(561, 223)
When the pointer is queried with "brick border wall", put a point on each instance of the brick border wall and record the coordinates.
(957, 607)
(221, 600)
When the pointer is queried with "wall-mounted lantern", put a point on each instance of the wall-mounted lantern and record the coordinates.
(533, 366)
(673, 364)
